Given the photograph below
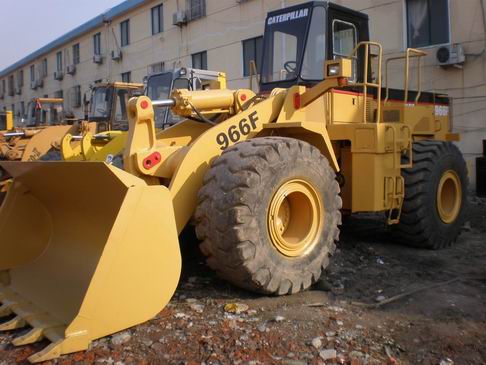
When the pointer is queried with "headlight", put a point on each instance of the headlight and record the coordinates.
(333, 70)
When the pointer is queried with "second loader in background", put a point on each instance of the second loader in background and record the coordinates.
(42, 130)
(111, 139)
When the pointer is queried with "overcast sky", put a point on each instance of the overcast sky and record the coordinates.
(27, 25)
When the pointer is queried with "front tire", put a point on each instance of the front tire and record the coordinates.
(268, 215)
(435, 196)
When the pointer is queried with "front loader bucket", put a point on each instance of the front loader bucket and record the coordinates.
(87, 250)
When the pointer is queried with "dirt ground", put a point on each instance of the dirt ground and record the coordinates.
(442, 325)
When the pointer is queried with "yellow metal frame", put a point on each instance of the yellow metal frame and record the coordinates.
(409, 53)
(367, 46)
(9, 124)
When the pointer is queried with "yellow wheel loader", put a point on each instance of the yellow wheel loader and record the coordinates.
(263, 177)
(41, 135)
(109, 145)
(33, 137)
(6, 121)
(106, 117)
(6, 125)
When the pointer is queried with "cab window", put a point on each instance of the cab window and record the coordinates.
(284, 43)
(315, 50)
(121, 109)
(344, 38)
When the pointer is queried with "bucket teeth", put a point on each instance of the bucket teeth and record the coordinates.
(51, 352)
(34, 335)
(15, 323)
(5, 310)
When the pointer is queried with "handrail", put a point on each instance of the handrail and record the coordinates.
(366, 84)
(254, 74)
(410, 53)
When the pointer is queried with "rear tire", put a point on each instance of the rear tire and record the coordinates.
(435, 196)
(268, 215)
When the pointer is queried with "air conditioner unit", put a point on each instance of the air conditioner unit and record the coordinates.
(39, 83)
(58, 75)
(450, 55)
(179, 18)
(33, 84)
(71, 69)
(97, 58)
(18, 91)
(116, 55)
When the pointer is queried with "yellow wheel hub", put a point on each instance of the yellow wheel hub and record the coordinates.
(449, 196)
(295, 218)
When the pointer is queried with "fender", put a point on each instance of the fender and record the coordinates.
(314, 133)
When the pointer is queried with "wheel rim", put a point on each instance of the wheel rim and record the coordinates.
(449, 197)
(295, 218)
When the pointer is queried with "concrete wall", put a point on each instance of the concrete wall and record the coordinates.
(227, 23)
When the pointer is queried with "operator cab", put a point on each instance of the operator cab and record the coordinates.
(160, 86)
(108, 105)
(299, 39)
(44, 112)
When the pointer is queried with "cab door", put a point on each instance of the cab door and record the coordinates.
(346, 29)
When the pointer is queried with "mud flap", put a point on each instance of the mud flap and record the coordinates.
(87, 250)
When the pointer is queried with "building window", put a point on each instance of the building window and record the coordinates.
(97, 44)
(44, 67)
(3, 87)
(11, 90)
(126, 76)
(22, 109)
(200, 60)
(76, 96)
(196, 9)
(125, 33)
(59, 61)
(76, 54)
(157, 19)
(156, 68)
(20, 79)
(32, 73)
(252, 51)
(428, 22)
(58, 94)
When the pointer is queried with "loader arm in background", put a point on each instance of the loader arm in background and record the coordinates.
(47, 139)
